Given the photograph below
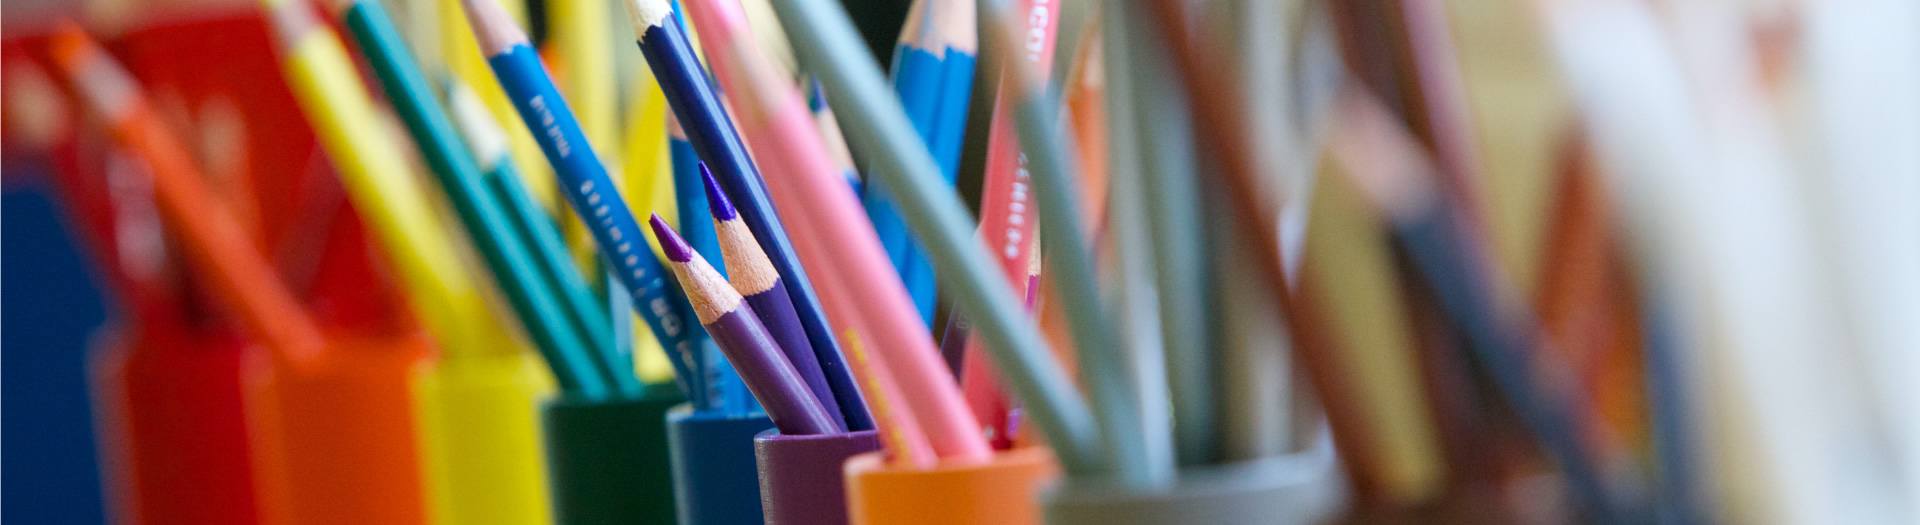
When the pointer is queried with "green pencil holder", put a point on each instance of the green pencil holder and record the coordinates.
(1299, 488)
(607, 459)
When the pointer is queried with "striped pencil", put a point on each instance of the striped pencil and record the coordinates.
(584, 179)
(239, 275)
(568, 350)
(754, 277)
(753, 352)
(834, 238)
(684, 82)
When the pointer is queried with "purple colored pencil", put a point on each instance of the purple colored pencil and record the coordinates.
(760, 361)
(754, 276)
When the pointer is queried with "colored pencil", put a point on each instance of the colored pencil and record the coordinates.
(920, 69)
(670, 54)
(586, 183)
(462, 58)
(1103, 367)
(1170, 169)
(379, 182)
(1007, 222)
(877, 126)
(568, 350)
(778, 126)
(1134, 297)
(1221, 131)
(905, 444)
(738, 331)
(830, 132)
(755, 278)
(1393, 174)
(691, 199)
(237, 272)
(487, 142)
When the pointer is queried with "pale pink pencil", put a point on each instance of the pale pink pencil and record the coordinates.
(802, 178)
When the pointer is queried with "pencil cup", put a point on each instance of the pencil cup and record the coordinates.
(333, 434)
(1001, 491)
(608, 459)
(173, 426)
(480, 439)
(802, 480)
(1304, 487)
(714, 482)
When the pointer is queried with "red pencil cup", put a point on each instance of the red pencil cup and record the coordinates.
(1001, 491)
(802, 478)
(333, 434)
(173, 425)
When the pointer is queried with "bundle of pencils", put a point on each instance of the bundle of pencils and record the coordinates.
(1234, 231)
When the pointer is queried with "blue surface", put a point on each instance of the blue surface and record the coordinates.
(50, 307)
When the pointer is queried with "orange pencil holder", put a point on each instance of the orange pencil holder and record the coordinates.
(334, 434)
(172, 424)
(1001, 491)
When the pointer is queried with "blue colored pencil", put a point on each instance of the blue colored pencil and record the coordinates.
(684, 82)
(695, 228)
(830, 133)
(933, 76)
(756, 279)
(584, 177)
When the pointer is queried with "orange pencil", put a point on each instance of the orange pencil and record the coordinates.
(214, 241)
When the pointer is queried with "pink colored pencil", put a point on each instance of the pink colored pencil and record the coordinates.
(838, 238)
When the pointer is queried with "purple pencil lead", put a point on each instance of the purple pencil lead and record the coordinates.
(670, 241)
(716, 198)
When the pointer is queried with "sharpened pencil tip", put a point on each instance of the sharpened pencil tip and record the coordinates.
(670, 242)
(716, 199)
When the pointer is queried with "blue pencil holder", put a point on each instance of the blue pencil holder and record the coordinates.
(714, 476)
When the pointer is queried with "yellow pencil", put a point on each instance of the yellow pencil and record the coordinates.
(382, 186)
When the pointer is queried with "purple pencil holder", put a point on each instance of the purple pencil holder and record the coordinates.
(801, 480)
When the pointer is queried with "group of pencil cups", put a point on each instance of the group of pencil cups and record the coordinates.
(796, 377)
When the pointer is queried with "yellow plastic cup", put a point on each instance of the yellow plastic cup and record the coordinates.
(480, 443)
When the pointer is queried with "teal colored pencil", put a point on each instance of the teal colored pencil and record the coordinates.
(567, 350)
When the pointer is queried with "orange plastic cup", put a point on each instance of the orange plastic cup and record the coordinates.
(1003, 491)
(334, 435)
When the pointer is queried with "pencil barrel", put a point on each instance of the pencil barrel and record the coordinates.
(607, 459)
(1000, 491)
(333, 434)
(802, 478)
(170, 402)
(480, 439)
(714, 477)
(1299, 488)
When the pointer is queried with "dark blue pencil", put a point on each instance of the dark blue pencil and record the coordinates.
(670, 54)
